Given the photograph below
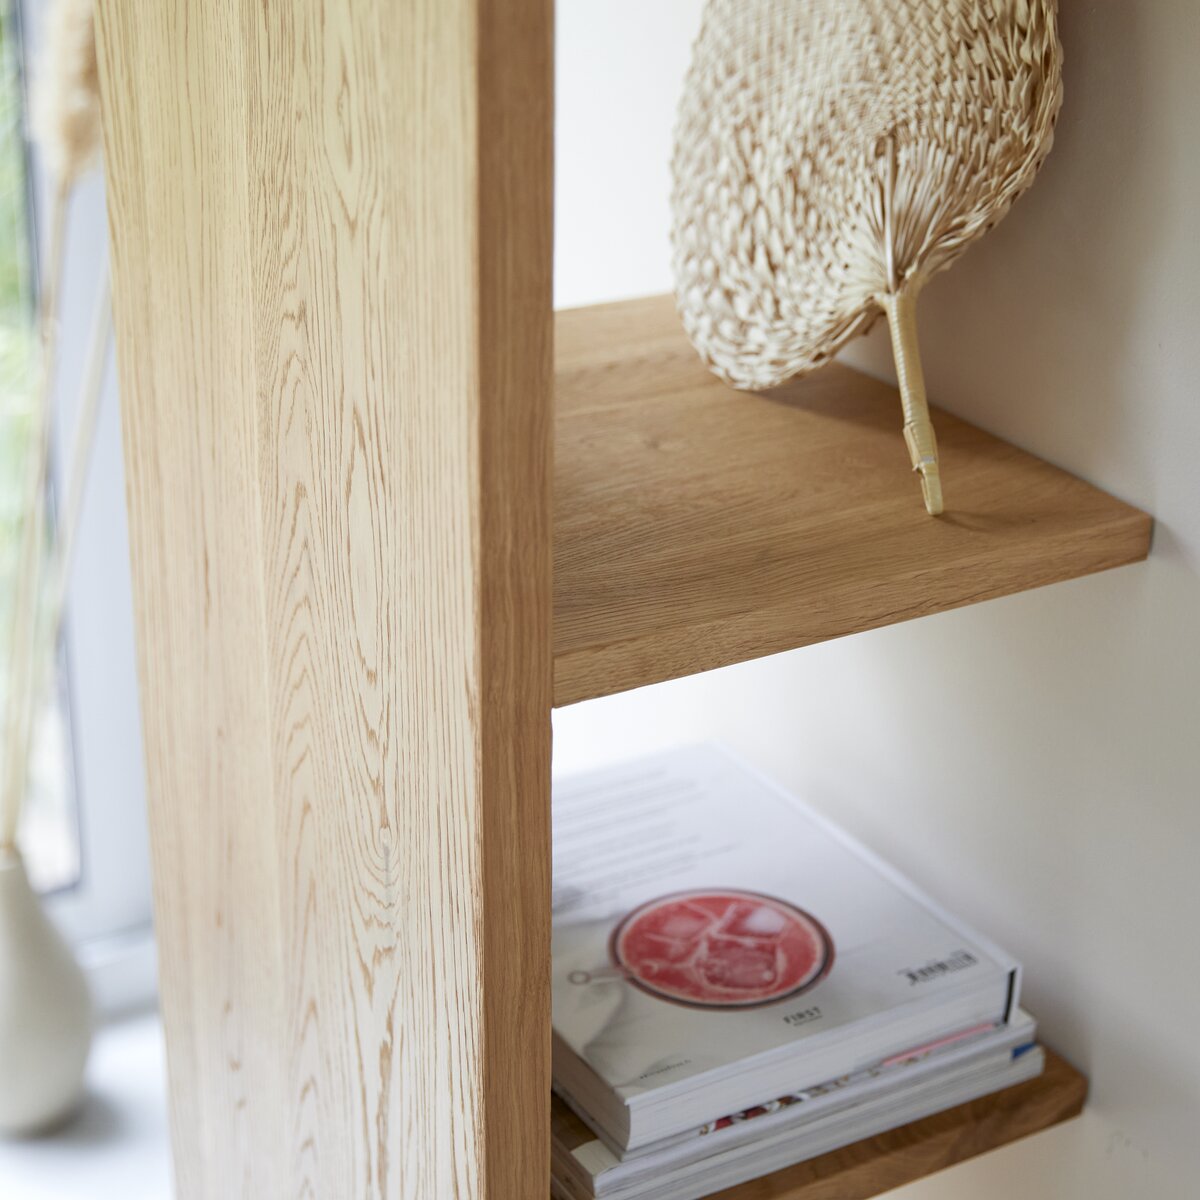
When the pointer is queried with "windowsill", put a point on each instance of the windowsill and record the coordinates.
(117, 1146)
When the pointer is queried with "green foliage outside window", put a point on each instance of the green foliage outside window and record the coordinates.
(17, 337)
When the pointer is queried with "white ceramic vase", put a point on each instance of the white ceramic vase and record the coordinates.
(45, 1011)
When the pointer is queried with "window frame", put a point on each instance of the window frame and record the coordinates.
(107, 914)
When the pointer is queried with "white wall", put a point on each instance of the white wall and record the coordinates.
(1034, 761)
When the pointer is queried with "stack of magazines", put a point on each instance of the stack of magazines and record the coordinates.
(740, 986)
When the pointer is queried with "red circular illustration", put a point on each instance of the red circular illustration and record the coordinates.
(721, 949)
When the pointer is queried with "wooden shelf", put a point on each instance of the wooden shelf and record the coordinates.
(877, 1165)
(696, 526)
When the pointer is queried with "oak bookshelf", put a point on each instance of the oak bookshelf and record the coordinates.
(386, 510)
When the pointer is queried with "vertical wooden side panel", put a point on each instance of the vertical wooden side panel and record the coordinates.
(188, 391)
(516, 157)
(331, 248)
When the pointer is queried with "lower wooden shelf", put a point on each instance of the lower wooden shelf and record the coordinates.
(876, 1165)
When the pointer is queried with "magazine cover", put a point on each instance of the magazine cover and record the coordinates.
(703, 917)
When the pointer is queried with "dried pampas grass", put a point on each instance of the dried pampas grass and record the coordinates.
(66, 92)
(832, 155)
(66, 130)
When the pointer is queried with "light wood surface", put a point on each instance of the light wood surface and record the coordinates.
(331, 246)
(697, 526)
(876, 1165)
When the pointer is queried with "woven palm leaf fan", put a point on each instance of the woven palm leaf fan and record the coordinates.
(831, 156)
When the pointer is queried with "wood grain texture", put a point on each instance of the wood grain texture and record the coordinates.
(696, 526)
(876, 1165)
(331, 248)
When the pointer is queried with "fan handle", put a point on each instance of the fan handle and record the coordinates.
(901, 309)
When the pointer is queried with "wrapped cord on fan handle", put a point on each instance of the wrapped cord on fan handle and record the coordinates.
(901, 310)
(899, 302)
